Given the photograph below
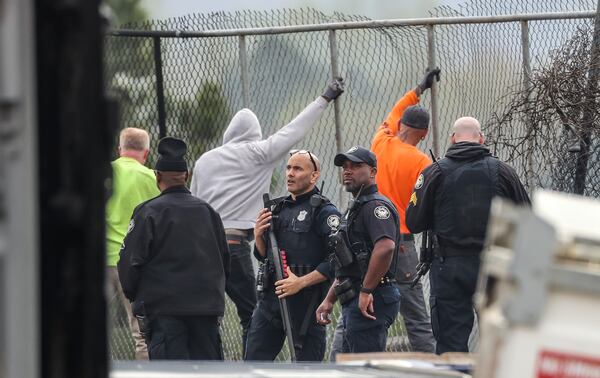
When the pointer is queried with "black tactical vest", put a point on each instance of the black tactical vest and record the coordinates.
(360, 242)
(463, 202)
(297, 234)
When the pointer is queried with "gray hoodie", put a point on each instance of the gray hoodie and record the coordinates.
(232, 178)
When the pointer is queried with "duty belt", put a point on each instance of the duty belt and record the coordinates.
(385, 281)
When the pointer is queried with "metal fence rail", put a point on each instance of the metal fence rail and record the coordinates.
(187, 76)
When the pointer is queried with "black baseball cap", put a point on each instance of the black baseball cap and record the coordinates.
(356, 154)
(416, 117)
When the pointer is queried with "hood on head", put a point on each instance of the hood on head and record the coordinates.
(244, 127)
(467, 151)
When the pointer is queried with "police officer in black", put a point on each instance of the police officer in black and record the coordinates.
(173, 265)
(452, 197)
(302, 223)
(364, 258)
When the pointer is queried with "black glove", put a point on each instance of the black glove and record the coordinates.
(427, 80)
(334, 89)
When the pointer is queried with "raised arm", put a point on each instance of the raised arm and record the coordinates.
(392, 121)
(278, 144)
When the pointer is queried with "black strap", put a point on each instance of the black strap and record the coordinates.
(307, 318)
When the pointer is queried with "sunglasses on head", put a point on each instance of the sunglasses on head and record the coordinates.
(293, 152)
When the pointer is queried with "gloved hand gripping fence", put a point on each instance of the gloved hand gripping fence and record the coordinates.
(280, 262)
(427, 80)
(334, 89)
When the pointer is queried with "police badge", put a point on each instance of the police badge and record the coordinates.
(302, 215)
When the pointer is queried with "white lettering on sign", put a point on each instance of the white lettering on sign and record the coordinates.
(552, 364)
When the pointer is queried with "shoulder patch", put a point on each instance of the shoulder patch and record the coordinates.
(420, 181)
(131, 226)
(413, 199)
(333, 221)
(381, 212)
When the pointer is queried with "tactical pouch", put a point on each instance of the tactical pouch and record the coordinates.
(363, 258)
(345, 290)
(342, 253)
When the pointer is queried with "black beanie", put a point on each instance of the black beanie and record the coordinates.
(416, 117)
(170, 155)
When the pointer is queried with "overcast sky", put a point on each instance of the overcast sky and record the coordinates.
(376, 9)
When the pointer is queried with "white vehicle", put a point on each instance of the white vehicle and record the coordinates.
(539, 290)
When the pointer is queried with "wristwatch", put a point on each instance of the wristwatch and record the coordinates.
(366, 290)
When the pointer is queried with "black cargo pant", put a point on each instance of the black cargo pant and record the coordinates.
(453, 281)
(184, 338)
(240, 286)
(267, 335)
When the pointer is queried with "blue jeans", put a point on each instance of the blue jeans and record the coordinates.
(365, 335)
(240, 286)
(453, 281)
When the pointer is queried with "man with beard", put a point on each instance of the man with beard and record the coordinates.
(365, 259)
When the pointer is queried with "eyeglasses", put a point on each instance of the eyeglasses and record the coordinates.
(293, 152)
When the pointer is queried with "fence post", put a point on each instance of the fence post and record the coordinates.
(160, 94)
(336, 107)
(431, 63)
(525, 55)
(587, 119)
(244, 70)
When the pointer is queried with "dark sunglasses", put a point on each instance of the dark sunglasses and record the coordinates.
(293, 152)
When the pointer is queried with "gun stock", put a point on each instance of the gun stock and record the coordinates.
(280, 262)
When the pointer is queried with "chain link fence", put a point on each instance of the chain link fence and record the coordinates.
(171, 83)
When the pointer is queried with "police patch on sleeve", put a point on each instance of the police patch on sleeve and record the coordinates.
(381, 212)
(413, 199)
(420, 181)
(333, 221)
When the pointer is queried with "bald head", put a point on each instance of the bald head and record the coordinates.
(307, 157)
(302, 172)
(134, 143)
(467, 129)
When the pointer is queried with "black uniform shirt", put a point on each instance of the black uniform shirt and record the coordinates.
(175, 257)
(369, 223)
(373, 222)
(420, 211)
(302, 232)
